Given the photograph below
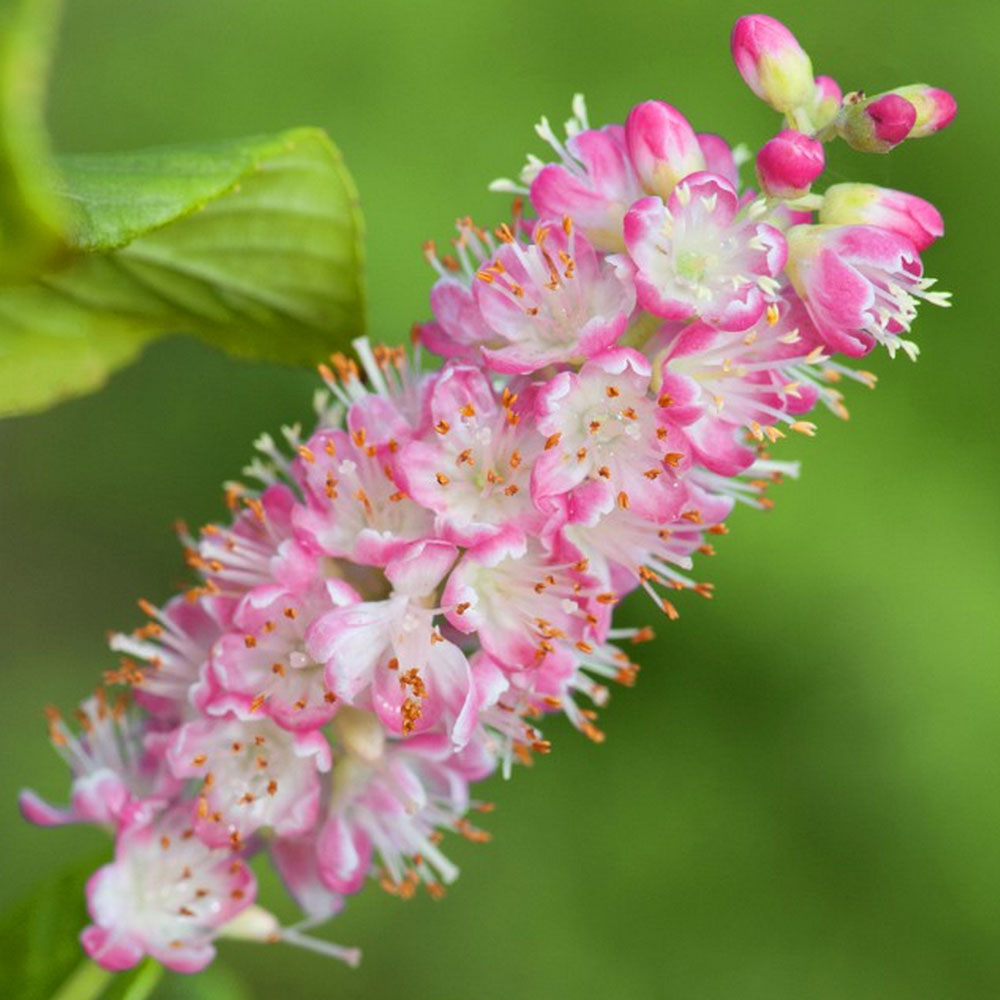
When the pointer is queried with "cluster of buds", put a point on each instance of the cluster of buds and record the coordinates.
(408, 591)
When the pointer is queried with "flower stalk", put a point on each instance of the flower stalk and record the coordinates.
(400, 597)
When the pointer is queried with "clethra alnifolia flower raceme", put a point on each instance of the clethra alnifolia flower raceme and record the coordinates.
(391, 611)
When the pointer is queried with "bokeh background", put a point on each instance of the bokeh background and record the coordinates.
(800, 799)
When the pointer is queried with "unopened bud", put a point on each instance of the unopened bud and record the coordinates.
(662, 146)
(828, 100)
(876, 124)
(252, 924)
(788, 164)
(772, 63)
(935, 108)
(867, 204)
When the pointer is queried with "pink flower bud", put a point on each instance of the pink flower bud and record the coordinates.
(828, 99)
(788, 164)
(772, 63)
(867, 204)
(935, 108)
(662, 146)
(877, 124)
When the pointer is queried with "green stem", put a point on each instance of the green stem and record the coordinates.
(641, 330)
(146, 980)
(86, 982)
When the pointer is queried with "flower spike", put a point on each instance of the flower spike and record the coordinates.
(400, 598)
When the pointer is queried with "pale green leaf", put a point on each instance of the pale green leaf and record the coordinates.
(30, 215)
(253, 245)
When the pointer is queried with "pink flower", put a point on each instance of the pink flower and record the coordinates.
(174, 645)
(269, 660)
(601, 424)
(390, 657)
(296, 862)
(593, 181)
(259, 549)
(867, 204)
(473, 471)
(772, 63)
(459, 330)
(114, 762)
(788, 164)
(518, 601)
(354, 507)
(827, 102)
(255, 774)
(554, 683)
(386, 400)
(389, 800)
(167, 894)
(594, 185)
(719, 385)
(553, 301)
(654, 555)
(861, 285)
(697, 255)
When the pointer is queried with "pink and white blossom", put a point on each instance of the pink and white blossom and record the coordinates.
(698, 255)
(473, 471)
(259, 549)
(729, 390)
(861, 285)
(166, 894)
(594, 185)
(254, 775)
(354, 509)
(518, 601)
(268, 662)
(593, 180)
(115, 761)
(551, 301)
(719, 157)
(826, 102)
(390, 657)
(602, 424)
(165, 659)
(389, 801)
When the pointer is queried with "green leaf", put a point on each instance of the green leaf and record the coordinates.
(253, 245)
(30, 216)
(40, 936)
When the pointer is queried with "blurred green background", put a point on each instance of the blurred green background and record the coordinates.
(800, 799)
